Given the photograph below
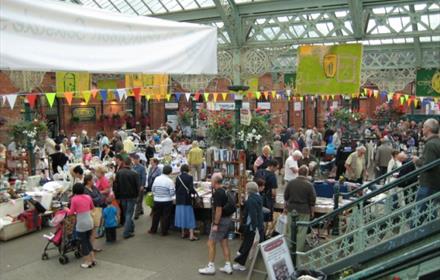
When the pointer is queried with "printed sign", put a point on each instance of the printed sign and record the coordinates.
(329, 69)
(263, 105)
(297, 106)
(245, 117)
(171, 106)
(428, 82)
(217, 106)
(84, 113)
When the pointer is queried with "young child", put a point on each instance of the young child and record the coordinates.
(110, 216)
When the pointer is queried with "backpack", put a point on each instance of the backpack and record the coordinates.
(230, 206)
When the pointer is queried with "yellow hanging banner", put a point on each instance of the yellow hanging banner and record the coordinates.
(74, 82)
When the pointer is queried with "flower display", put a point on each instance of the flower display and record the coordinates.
(252, 136)
(26, 131)
(185, 117)
(220, 128)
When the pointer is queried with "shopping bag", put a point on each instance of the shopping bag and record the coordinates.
(149, 199)
(281, 225)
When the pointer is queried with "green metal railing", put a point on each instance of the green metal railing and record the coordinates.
(368, 221)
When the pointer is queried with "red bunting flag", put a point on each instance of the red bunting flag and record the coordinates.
(32, 98)
(137, 94)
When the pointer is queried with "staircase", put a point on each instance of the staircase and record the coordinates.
(380, 227)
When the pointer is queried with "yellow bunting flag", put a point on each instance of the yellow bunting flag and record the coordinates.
(390, 96)
(225, 96)
(206, 96)
(301, 98)
(215, 94)
(68, 95)
(273, 94)
(406, 97)
(148, 97)
(50, 98)
(168, 97)
(258, 94)
(402, 100)
(365, 91)
(416, 102)
(376, 94)
(86, 95)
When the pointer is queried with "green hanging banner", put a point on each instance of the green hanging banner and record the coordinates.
(428, 82)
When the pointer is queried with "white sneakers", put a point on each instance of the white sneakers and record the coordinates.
(227, 268)
(238, 267)
(210, 269)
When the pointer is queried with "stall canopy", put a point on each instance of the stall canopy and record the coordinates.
(50, 35)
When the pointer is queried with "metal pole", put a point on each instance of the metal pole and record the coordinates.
(28, 118)
(336, 187)
(293, 235)
(238, 106)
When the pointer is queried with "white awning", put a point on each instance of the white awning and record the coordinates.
(53, 36)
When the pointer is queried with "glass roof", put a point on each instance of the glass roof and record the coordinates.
(388, 23)
(146, 7)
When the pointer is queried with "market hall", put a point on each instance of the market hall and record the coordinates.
(272, 139)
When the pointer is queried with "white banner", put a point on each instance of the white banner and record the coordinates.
(54, 36)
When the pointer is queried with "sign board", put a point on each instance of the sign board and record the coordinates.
(245, 117)
(428, 82)
(297, 106)
(329, 69)
(246, 105)
(172, 120)
(264, 105)
(84, 113)
(277, 261)
(171, 106)
(217, 106)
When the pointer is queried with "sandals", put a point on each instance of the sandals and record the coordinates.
(193, 239)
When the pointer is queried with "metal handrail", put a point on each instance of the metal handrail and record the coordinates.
(385, 188)
(377, 180)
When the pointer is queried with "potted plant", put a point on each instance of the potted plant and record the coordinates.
(220, 128)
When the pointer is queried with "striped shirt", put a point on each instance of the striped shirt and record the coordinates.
(163, 189)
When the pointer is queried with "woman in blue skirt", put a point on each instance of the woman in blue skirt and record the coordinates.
(184, 218)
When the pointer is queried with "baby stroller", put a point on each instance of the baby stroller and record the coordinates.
(63, 239)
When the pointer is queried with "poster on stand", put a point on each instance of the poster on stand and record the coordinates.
(245, 117)
(277, 261)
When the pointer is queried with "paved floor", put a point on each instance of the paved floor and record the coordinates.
(142, 257)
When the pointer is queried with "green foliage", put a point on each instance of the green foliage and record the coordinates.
(256, 134)
(220, 128)
(25, 130)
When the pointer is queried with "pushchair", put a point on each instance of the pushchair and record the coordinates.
(63, 239)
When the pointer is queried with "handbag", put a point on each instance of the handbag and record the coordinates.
(196, 201)
(149, 200)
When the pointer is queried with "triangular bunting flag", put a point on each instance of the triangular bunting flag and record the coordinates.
(148, 96)
(402, 100)
(258, 94)
(94, 93)
(301, 98)
(137, 94)
(103, 93)
(187, 96)
(86, 95)
(197, 96)
(3, 100)
(273, 94)
(177, 94)
(365, 91)
(157, 96)
(68, 95)
(416, 102)
(122, 93)
(11, 100)
(250, 95)
(288, 92)
(406, 97)
(206, 96)
(215, 94)
(168, 97)
(225, 96)
(390, 96)
(266, 95)
(31, 98)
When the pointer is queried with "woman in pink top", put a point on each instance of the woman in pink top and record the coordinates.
(82, 205)
(102, 184)
(87, 156)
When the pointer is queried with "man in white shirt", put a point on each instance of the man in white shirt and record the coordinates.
(166, 145)
(291, 166)
(163, 191)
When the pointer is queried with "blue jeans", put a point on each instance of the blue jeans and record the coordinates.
(128, 205)
(422, 193)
